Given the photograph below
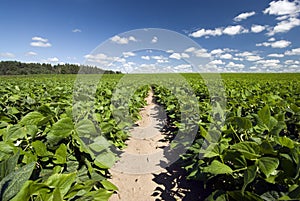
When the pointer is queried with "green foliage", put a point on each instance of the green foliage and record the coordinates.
(249, 150)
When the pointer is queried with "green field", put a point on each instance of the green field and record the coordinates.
(246, 143)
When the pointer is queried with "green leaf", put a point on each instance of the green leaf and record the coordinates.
(243, 122)
(9, 165)
(105, 160)
(286, 142)
(40, 148)
(31, 188)
(15, 132)
(32, 118)
(12, 183)
(60, 155)
(99, 195)
(85, 128)
(100, 143)
(60, 130)
(249, 176)
(265, 115)
(108, 185)
(216, 167)
(251, 150)
(267, 165)
(61, 181)
(236, 158)
(247, 196)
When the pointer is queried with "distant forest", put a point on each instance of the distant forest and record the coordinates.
(19, 68)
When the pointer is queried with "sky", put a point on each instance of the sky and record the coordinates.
(154, 36)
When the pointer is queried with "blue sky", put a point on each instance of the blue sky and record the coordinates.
(232, 35)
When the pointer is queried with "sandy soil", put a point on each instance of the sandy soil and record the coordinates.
(133, 173)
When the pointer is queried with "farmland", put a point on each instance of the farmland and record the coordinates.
(57, 131)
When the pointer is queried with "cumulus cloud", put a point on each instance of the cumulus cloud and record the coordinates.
(76, 30)
(276, 55)
(226, 56)
(103, 59)
(269, 63)
(243, 16)
(53, 59)
(7, 55)
(275, 44)
(145, 57)
(175, 56)
(295, 51)
(123, 40)
(283, 7)
(154, 39)
(234, 30)
(257, 28)
(271, 39)
(249, 56)
(197, 52)
(207, 32)
(284, 26)
(235, 65)
(128, 54)
(216, 62)
(40, 42)
(217, 51)
(229, 30)
(31, 53)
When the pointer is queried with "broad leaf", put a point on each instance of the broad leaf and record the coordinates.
(267, 165)
(216, 167)
(60, 130)
(12, 183)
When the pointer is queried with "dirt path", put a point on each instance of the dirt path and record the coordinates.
(133, 173)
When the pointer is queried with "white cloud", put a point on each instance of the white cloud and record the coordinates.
(253, 58)
(271, 39)
(206, 32)
(234, 30)
(36, 38)
(154, 39)
(249, 56)
(202, 53)
(282, 7)
(102, 59)
(216, 62)
(53, 59)
(169, 51)
(7, 55)
(31, 53)
(175, 56)
(190, 49)
(275, 44)
(226, 56)
(283, 17)
(257, 28)
(276, 55)
(295, 51)
(76, 30)
(145, 57)
(243, 16)
(40, 42)
(291, 62)
(197, 52)
(217, 51)
(269, 63)
(234, 65)
(122, 40)
(284, 26)
(128, 54)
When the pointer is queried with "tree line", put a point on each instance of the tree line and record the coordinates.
(20, 68)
